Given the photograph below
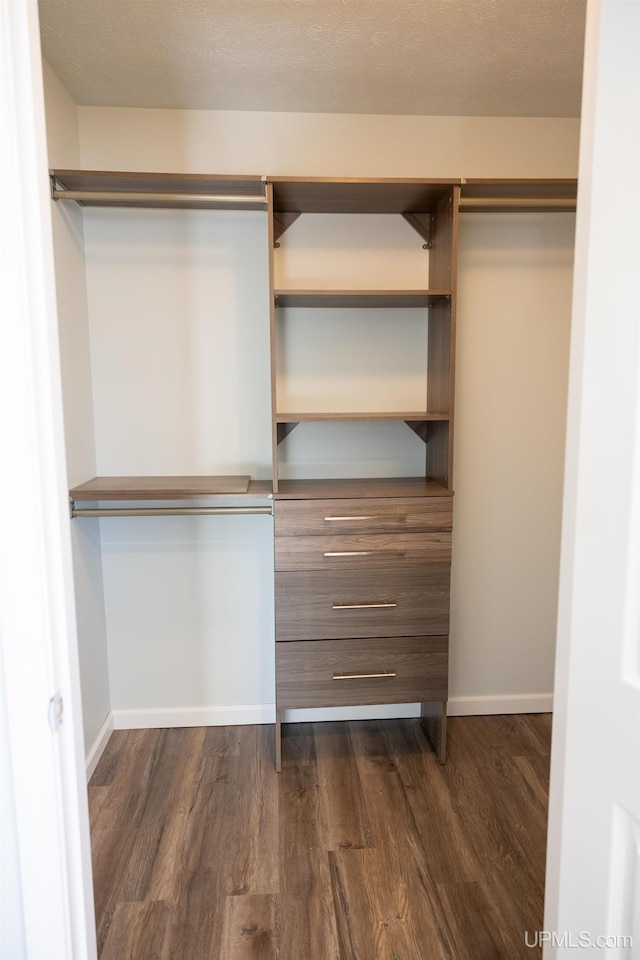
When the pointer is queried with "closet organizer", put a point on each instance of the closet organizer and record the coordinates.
(362, 566)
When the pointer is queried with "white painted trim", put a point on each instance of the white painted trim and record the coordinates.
(37, 610)
(486, 706)
(242, 714)
(99, 745)
(157, 717)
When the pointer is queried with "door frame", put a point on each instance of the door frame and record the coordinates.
(46, 795)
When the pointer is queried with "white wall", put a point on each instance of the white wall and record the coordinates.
(71, 292)
(514, 310)
(331, 145)
(189, 604)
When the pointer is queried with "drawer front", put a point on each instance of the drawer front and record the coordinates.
(364, 552)
(353, 672)
(371, 515)
(397, 602)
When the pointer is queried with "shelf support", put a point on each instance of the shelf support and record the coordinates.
(284, 429)
(282, 220)
(420, 427)
(421, 223)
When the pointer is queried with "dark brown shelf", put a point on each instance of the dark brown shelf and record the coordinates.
(355, 195)
(171, 184)
(359, 298)
(344, 489)
(167, 488)
(413, 416)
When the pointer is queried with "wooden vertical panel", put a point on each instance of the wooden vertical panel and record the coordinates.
(272, 337)
(442, 232)
(454, 308)
(438, 457)
(434, 720)
(278, 735)
(439, 358)
(443, 269)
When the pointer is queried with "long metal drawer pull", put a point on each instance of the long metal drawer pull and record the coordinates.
(371, 517)
(363, 606)
(364, 553)
(364, 676)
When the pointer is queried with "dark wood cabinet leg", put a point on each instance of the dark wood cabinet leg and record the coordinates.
(278, 741)
(434, 721)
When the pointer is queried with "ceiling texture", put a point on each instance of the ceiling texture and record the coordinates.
(420, 57)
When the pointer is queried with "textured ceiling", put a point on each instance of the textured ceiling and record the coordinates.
(431, 57)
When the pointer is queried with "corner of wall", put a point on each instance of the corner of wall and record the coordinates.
(75, 360)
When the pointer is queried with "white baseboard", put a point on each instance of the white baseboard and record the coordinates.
(193, 716)
(99, 745)
(222, 716)
(486, 706)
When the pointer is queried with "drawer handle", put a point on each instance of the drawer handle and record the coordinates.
(364, 553)
(371, 517)
(364, 606)
(364, 676)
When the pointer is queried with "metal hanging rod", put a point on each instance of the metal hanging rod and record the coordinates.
(129, 196)
(517, 203)
(167, 511)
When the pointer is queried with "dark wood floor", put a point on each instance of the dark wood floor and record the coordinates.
(363, 848)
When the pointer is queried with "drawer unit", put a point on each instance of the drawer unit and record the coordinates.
(392, 603)
(349, 673)
(298, 518)
(362, 604)
(362, 551)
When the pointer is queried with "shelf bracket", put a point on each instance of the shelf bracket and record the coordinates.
(284, 429)
(420, 427)
(421, 223)
(281, 222)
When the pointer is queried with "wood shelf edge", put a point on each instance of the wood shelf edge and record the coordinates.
(161, 488)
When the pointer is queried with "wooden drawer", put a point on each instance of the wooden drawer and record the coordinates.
(295, 518)
(308, 673)
(364, 552)
(396, 602)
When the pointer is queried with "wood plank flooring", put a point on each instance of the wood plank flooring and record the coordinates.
(363, 848)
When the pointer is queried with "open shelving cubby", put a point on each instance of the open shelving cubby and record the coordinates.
(419, 318)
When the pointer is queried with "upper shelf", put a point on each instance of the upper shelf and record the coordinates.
(352, 195)
(165, 488)
(94, 188)
(359, 298)
(498, 196)
(295, 195)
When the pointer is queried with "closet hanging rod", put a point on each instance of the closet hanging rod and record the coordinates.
(130, 196)
(166, 511)
(518, 203)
